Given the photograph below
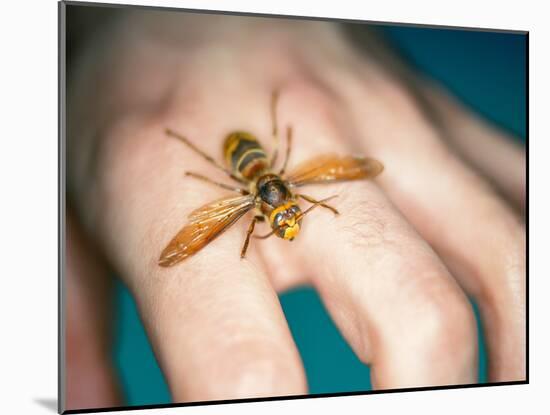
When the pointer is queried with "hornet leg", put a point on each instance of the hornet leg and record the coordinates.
(202, 153)
(248, 234)
(222, 185)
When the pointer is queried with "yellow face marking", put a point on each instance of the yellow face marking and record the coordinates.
(292, 231)
(292, 227)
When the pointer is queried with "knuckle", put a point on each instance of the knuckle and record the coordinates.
(392, 113)
(368, 220)
(122, 176)
(129, 149)
(365, 220)
(446, 321)
(319, 100)
(395, 95)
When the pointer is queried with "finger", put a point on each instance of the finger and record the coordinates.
(489, 150)
(219, 329)
(214, 320)
(387, 291)
(90, 378)
(476, 234)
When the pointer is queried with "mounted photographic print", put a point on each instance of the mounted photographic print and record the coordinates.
(261, 207)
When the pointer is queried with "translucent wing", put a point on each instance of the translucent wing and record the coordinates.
(331, 168)
(205, 224)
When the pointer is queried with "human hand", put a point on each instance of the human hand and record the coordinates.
(393, 269)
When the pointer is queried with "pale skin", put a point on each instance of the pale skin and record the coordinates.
(394, 269)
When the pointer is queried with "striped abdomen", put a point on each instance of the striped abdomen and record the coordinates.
(244, 155)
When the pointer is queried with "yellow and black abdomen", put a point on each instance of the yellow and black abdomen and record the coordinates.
(245, 155)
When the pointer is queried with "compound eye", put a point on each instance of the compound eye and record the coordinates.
(279, 218)
(295, 209)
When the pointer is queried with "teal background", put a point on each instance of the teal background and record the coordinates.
(485, 70)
